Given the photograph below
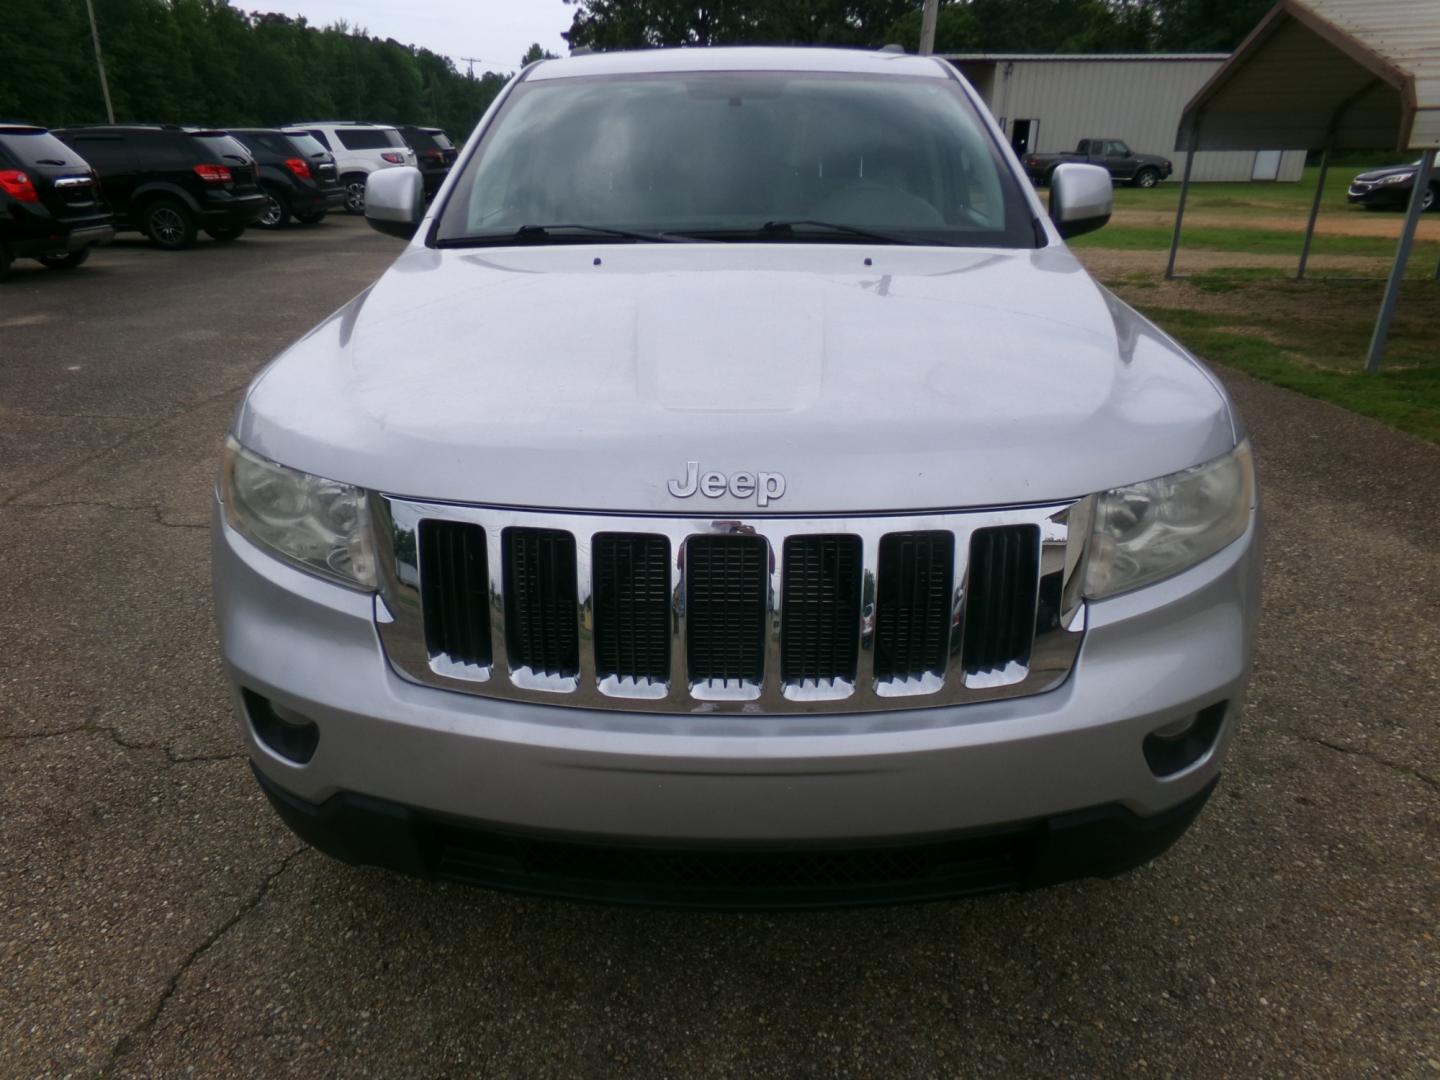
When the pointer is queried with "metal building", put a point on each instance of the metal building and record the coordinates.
(1046, 103)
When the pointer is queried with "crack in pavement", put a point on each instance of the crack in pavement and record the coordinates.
(1355, 751)
(171, 757)
(129, 1042)
(153, 510)
(27, 415)
(129, 437)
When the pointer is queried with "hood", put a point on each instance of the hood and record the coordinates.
(870, 378)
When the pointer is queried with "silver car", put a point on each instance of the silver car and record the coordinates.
(737, 493)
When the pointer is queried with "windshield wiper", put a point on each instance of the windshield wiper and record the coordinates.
(531, 234)
(786, 228)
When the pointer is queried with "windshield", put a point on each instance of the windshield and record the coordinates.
(718, 156)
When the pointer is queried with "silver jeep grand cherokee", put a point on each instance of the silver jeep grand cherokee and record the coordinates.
(737, 493)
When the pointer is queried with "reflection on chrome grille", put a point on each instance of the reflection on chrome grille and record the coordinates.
(760, 615)
(1000, 615)
(820, 612)
(725, 582)
(455, 591)
(912, 621)
(540, 611)
(632, 607)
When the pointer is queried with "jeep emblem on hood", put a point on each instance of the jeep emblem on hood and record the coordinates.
(766, 487)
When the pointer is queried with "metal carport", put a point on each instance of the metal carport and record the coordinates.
(1328, 75)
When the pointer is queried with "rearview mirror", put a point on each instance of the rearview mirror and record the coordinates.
(1082, 198)
(395, 201)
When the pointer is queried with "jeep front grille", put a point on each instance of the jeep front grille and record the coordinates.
(820, 610)
(632, 606)
(1004, 576)
(725, 600)
(762, 615)
(540, 592)
(912, 616)
(455, 594)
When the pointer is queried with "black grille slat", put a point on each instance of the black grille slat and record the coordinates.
(541, 618)
(820, 609)
(913, 604)
(455, 591)
(1000, 610)
(725, 599)
(631, 606)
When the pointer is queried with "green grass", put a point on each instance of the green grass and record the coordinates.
(1253, 198)
(1310, 337)
(1252, 241)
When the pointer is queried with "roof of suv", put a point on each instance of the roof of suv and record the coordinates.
(741, 58)
(337, 123)
(201, 132)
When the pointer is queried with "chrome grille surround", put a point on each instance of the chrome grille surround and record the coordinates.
(1064, 529)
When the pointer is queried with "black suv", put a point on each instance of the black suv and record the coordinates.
(297, 175)
(434, 153)
(51, 207)
(167, 181)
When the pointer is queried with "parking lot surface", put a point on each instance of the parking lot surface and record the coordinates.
(156, 917)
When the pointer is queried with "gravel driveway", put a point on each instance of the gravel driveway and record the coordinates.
(154, 915)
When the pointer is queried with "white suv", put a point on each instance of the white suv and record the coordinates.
(767, 509)
(359, 150)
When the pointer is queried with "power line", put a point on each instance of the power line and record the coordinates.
(473, 60)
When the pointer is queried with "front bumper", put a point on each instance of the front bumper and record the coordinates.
(418, 755)
(1148, 659)
(1394, 195)
(1102, 841)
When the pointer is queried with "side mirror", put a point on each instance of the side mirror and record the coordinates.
(1081, 198)
(395, 200)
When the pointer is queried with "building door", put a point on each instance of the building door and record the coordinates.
(1267, 165)
(1025, 136)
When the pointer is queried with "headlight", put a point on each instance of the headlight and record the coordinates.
(1399, 178)
(319, 525)
(1148, 531)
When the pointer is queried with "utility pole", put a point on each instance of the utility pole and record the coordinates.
(471, 60)
(927, 27)
(100, 62)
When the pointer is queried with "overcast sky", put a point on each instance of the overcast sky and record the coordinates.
(496, 31)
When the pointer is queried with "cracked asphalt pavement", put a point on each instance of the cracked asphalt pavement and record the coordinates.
(155, 917)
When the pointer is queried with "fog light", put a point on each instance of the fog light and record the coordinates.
(1181, 743)
(1177, 729)
(283, 730)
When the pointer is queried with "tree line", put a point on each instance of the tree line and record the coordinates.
(205, 62)
(1032, 26)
